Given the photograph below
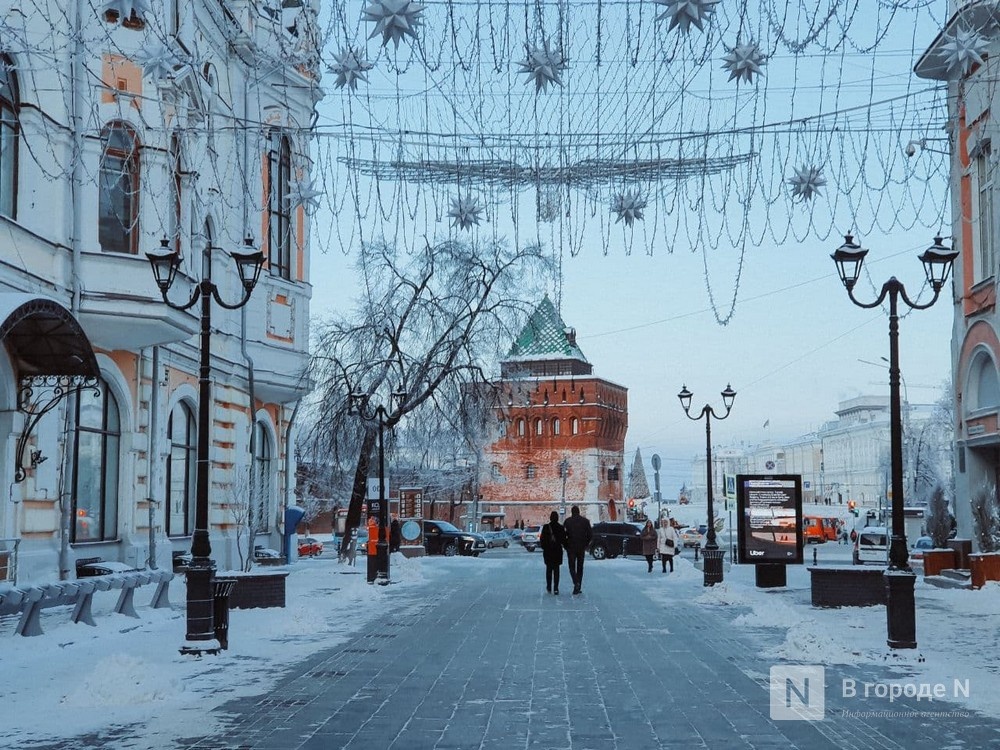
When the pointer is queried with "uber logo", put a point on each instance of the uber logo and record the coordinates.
(797, 693)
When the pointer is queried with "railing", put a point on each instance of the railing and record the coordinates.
(8, 560)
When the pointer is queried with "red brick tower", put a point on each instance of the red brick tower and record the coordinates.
(558, 419)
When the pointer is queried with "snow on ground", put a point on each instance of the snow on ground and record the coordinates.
(77, 679)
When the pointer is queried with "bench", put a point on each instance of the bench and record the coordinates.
(29, 601)
(842, 586)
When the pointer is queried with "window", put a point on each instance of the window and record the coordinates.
(530, 471)
(182, 462)
(176, 192)
(613, 473)
(985, 229)
(495, 471)
(94, 492)
(987, 384)
(280, 209)
(118, 204)
(574, 426)
(538, 427)
(262, 478)
(8, 138)
(520, 428)
(555, 427)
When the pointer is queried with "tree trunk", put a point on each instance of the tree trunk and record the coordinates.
(360, 488)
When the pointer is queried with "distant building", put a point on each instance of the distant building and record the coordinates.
(560, 426)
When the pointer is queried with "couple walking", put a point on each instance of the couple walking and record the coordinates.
(663, 541)
(573, 536)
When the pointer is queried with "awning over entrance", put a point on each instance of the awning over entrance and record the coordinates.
(43, 338)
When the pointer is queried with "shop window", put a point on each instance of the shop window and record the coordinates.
(96, 448)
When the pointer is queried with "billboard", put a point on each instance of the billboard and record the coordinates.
(769, 510)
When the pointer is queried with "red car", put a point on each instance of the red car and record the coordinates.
(309, 547)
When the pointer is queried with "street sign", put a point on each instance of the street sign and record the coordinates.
(655, 460)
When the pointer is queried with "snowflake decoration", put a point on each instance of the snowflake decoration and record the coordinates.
(543, 65)
(394, 19)
(350, 66)
(465, 212)
(685, 13)
(744, 61)
(126, 8)
(806, 183)
(305, 194)
(629, 206)
(157, 60)
(962, 50)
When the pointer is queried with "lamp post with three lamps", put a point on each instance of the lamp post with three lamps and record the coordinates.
(165, 262)
(360, 405)
(899, 578)
(712, 554)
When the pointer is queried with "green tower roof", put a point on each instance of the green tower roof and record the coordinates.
(546, 336)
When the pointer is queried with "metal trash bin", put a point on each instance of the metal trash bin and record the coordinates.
(221, 590)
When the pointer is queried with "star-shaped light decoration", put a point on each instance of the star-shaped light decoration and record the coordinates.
(543, 65)
(127, 8)
(685, 13)
(806, 183)
(629, 205)
(394, 19)
(744, 61)
(465, 212)
(962, 50)
(305, 194)
(157, 60)
(350, 66)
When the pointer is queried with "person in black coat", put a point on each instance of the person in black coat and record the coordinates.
(395, 535)
(552, 541)
(578, 536)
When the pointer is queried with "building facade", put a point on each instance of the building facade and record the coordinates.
(125, 127)
(560, 432)
(976, 234)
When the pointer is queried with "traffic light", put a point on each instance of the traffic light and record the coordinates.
(631, 503)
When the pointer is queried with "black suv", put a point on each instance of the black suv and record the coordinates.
(612, 538)
(442, 538)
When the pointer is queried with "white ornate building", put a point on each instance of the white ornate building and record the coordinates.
(122, 123)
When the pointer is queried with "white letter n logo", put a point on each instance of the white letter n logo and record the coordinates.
(797, 693)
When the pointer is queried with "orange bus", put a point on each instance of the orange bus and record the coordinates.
(820, 529)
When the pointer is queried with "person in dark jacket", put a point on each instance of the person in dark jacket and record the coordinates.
(578, 536)
(395, 535)
(552, 541)
(648, 537)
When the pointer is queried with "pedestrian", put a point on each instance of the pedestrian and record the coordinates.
(552, 541)
(578, 536)
(395, 535)
(668, 543)
(648, 537)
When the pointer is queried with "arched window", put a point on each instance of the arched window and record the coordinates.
(96, 439)
(538, 426)
(262, 478)
(8, 138)
(987, 385)
(280, 209)
(574, 426)
(118, 203)
(182, 433)
(555, 427)
(520, 428)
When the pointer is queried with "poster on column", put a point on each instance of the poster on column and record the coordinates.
(769, 512)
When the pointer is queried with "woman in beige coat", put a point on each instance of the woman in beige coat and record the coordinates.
(668, 543)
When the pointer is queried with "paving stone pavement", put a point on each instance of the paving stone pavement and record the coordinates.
(492, 661)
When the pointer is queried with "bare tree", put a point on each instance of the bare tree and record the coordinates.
(424, 323)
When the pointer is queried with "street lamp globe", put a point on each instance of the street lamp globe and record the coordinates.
(728, 397)
(938, 260)
(849, 258)
(685, 396)
(165, 262)
(249, 261)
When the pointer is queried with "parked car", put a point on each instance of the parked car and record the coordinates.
(361, 543)
(531, 537)
(693, 536)
(613, 538)
(872, 546)
(920, 546)
(310, 547)
(443, 538)
(262, 553)
(497, 539)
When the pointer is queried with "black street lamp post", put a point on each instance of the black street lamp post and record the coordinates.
(564, 473)
(899, 578)
(360, 405)
(712, 554)
(165, 262)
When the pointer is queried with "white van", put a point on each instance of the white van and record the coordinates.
(872, 546)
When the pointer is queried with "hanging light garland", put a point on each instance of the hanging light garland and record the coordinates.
(744, 62)
(683, 14)
(629, 205)
(394, 19)
(806, 183)
(465, 212)
(543, 65)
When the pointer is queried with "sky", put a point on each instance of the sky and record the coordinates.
(124, 676)
(727, 279)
